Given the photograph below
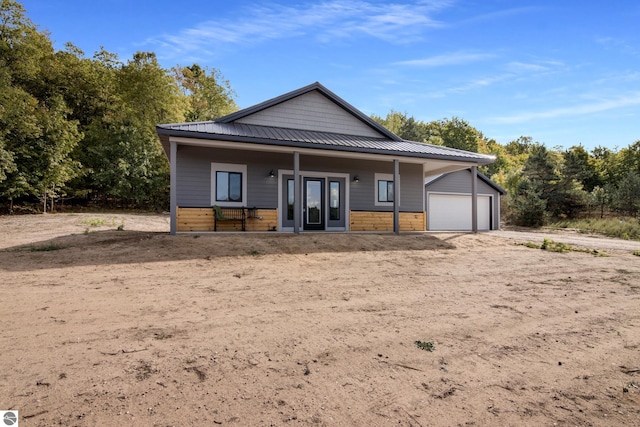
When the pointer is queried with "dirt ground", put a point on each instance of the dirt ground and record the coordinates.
(135, 327)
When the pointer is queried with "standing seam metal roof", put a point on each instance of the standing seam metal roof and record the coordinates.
(281, 136)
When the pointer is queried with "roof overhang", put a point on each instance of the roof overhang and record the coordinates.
(432, 165)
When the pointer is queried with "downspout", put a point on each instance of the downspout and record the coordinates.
(173, 179)
(474, 199)
(396, 196)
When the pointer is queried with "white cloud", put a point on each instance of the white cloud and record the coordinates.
(576, 110)
(454, 58)
(324, 21)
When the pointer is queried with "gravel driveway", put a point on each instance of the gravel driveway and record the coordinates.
(570, 238)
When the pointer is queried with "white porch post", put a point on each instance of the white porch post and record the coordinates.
(396, 196)
(297, 194)
(474, 199)
(173, 191)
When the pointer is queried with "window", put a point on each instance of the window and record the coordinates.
(334, 200)
(290, 199)
(228, 187)
(228, 184)
(384, 190)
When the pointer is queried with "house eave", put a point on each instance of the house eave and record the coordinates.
(291, 146)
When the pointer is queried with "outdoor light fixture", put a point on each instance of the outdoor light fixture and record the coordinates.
(272, 174)
(356, 179)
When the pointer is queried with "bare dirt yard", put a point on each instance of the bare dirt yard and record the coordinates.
(103, 327)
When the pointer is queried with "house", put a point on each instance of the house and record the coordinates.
(306, 160)
(448, 202)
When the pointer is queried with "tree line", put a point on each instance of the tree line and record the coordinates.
(80, 128)
(542, 184)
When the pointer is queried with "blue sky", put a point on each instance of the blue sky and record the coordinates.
(565, 72)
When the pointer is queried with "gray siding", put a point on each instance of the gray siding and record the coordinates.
(311, 111)
(363, 192)
(194, 177)
(460, 182)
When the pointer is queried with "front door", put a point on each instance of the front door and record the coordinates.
(313, 209)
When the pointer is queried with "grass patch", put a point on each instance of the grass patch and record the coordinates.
(426, 345)
(551, 246)
(46, 248)
(637, 253)
(621, 228)
(101, 222)
(95, 222)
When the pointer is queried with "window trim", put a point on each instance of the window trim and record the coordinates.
(228, 167)
(382, 177)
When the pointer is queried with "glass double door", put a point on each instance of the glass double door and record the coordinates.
(322, 202)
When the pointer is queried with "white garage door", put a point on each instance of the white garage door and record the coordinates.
(452, 212)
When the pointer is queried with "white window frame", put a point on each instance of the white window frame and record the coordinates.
(383, 177)
(228, 167)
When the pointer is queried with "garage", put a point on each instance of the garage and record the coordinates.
(448, 202)
(452, 212)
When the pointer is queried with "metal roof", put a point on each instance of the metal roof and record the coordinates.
(240, 132)
(227, 128)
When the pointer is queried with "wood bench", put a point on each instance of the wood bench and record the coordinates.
(232, 214)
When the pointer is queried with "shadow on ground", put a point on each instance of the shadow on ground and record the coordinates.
(131, 247)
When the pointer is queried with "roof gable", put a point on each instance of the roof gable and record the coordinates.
(433, 179)
(312, 108)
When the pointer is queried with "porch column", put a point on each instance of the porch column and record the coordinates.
(396, 196)
(297, 196)
(173, 179)
(474, 199)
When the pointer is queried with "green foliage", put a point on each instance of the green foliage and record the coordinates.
(454, 132)
(95, 222)
(85, 127)
(209, 95)
(531, 245)
(622, 228)
(627, 197)
(551, 246)
(528, 208)
(426, 345)
(636, 253)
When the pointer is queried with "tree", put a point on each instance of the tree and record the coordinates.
(579, 166)
(601, 197)
(209, 96)
(36, 134)
(406, 127)
(626, 198)
(458, 133)
(528, 208)
(127, 159)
